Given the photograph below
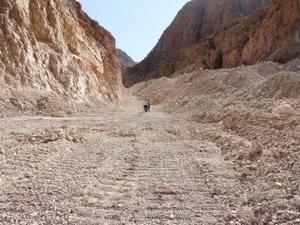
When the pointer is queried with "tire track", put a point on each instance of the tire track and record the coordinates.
(137, 169)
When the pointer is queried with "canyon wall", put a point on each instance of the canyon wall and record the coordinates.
(217, 34)
(125, 61)
(53, 54)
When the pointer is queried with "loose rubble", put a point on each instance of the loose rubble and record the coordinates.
(255, 125)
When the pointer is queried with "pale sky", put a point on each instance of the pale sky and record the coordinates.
(136, 24)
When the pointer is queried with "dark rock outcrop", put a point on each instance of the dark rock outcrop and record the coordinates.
(125, 61)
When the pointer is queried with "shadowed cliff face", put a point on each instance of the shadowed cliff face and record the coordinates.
(52, 49)
(219, 34)
(125, 61)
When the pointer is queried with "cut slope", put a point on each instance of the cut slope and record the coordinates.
(52, 50)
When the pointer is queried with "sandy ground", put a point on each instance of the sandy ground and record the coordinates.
(127, 167)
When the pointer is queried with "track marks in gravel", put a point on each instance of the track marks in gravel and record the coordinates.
(133, 169)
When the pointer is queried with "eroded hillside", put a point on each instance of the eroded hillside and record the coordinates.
(252, 113)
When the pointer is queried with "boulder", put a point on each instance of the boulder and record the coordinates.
(230, 122)
(297, 200)
(284, 109)
(42, 103)
(276, 124)
(2, 151)
(16, 102)
(255, 150)
(207, 117)
(229, 101)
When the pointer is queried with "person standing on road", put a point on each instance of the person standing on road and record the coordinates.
(145, 105)
(148, 105)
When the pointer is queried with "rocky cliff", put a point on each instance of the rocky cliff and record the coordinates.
(217, 34)
(125, 61)
(53, 54)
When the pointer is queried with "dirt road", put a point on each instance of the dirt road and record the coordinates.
(126, 167)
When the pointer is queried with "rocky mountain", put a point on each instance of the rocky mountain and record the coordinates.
(54, 56)
(125, 60)
(217, 34)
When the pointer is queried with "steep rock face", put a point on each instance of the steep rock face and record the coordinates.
(52, 49)
(195, 22)
(270, 33)
(220, 34)
(125, 61)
